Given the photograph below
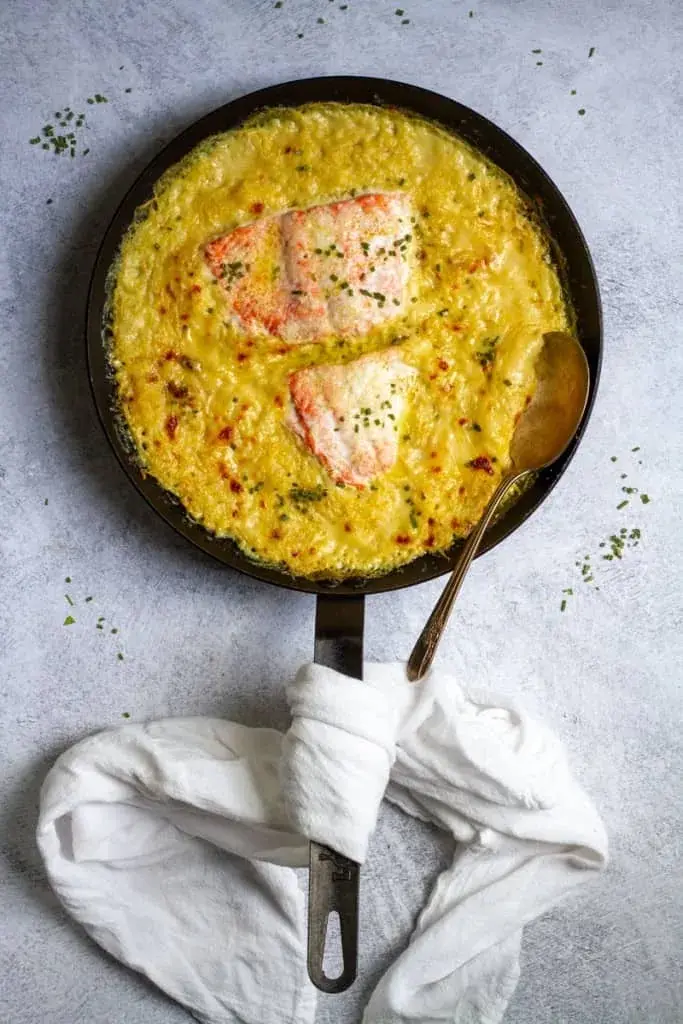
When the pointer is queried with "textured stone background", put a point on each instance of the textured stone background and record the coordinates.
(198, 639)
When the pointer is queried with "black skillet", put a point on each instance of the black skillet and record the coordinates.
(340, 605)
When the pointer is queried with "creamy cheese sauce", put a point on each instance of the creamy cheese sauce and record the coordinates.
(207, 404)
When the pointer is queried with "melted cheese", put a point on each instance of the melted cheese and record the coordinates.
(207, 405)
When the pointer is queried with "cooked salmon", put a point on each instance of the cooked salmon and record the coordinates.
(348, 415)
(340, 268)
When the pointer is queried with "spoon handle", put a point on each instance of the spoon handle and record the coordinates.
(423, 652)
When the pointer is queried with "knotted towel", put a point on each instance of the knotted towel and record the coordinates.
(173, 843)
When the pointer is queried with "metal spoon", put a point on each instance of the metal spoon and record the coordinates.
(543, 432)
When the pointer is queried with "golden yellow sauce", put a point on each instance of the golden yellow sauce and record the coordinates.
(206, 406)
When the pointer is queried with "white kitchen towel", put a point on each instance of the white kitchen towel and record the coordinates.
(173, 843)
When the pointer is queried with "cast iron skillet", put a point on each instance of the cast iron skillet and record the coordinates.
(339, 619)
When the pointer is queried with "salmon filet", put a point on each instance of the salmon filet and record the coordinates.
(348, 415)
(340, 268)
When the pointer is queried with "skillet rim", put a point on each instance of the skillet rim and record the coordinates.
(571, 250)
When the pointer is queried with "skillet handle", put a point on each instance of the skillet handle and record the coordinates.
(333, 879)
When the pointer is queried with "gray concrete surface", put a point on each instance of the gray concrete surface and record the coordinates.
(198, 639)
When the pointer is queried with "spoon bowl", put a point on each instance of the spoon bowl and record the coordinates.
(543, 432)
(549, 423)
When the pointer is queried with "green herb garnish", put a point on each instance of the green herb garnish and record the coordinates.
(300, 495)
(69, 620)
(231, 272)
(487, 354)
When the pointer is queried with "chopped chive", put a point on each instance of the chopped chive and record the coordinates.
(119, 656)
(563, 605)
(69, 620)
(582, 111)
(125, 714)
(69, 600)
(622, 504)
(591, 51)
(645, 498)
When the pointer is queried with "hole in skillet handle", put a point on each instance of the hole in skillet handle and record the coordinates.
(333, 879)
